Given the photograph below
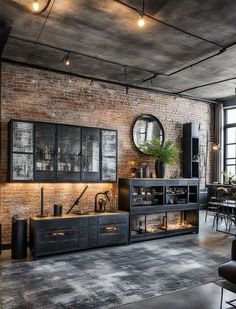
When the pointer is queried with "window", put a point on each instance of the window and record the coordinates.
(230, 141)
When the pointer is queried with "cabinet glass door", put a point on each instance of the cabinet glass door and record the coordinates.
(109, 153)
(22, 151)
(68, 153)
(90, 154)
(45, 152)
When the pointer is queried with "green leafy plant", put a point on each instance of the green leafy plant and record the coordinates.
(167, 153)
(228, 176)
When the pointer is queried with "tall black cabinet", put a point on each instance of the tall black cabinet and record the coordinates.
(47, 152)
(191, 151)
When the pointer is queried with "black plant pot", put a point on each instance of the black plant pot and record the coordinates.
(160, 169)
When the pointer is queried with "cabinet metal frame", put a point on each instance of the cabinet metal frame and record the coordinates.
(10, 153)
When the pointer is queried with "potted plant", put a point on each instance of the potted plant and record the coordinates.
(229, 178)
(164, 153)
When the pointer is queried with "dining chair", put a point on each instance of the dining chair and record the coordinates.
(231, 208)
(222, 196)
(212, 205)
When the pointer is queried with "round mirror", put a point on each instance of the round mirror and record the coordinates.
(145, 128)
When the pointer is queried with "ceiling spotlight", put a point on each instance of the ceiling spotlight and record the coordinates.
(141, 21)
(35, 5)
(66, 59)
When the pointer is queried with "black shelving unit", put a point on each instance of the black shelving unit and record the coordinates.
(191, 151)
(47, 152)
(160, 208)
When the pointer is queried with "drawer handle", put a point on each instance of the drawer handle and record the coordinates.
(112, 229)
(58, 234)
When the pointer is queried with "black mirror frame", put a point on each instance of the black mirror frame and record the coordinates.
(159, 123)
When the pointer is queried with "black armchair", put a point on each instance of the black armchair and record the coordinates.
(228, 272)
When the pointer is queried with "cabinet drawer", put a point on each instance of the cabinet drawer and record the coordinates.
(69, 241)
(57, 224)
(112, 234)
(57, 240)
(113, 219)
(46, 242)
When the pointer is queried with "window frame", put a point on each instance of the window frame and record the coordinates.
(227, 126)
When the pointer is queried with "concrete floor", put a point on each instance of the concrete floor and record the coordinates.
(176, 272)
(206, 296)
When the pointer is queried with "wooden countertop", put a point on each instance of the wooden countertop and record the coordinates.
(89, 214)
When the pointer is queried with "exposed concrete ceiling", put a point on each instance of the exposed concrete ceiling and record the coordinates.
(177, 34)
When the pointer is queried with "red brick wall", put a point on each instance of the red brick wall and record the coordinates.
(30, 94)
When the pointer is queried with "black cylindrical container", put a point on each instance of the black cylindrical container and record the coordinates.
(19, 238)
(57, 210)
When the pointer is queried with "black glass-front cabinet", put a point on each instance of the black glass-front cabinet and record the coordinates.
(45, 152)
(90, 154)
(68, 153)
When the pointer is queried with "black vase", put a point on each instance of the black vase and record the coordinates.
(160, 169)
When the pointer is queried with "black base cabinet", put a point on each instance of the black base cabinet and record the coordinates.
(51, 235)
(160, 207)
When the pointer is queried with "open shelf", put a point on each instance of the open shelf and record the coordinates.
(172, 210)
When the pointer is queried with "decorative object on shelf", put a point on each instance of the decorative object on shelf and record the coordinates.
(139, 173)
(76, 202)
(100, 204)
(57, 210)
(145, 128)
(141, 228)
(146, 170)
(164, 153)
(41, 203)
(133, 172)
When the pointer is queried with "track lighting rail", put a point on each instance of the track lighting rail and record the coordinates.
(208, 84)
(81, 54)
(92, 79)
(166, 24)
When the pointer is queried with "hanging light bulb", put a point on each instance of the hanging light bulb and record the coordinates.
(35, 5)
(141, 21)
(66, 59)
(215, 146)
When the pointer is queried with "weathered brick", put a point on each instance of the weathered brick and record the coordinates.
(30, 94)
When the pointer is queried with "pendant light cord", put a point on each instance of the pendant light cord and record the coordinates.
(143, 8)
(44, 23)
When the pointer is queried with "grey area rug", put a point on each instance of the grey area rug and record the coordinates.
(108, 277)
